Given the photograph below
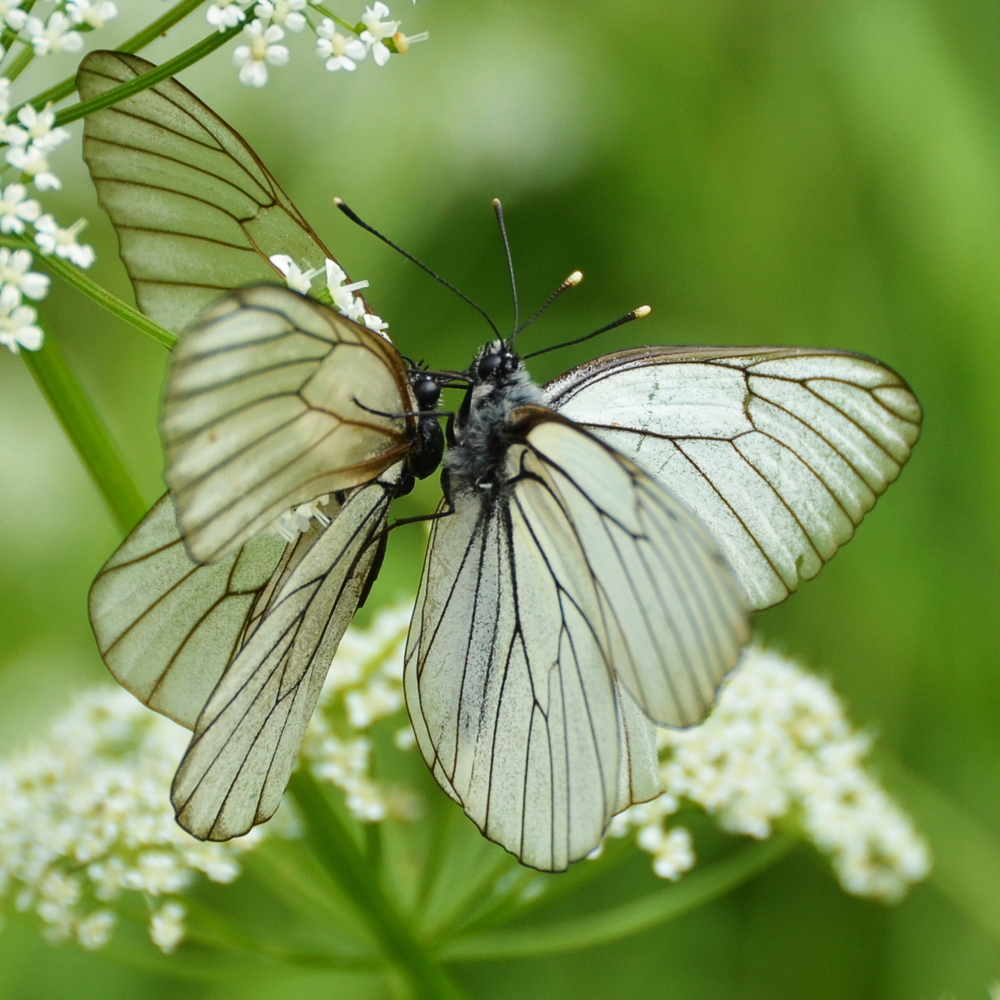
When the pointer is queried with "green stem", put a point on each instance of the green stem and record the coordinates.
(501, 910)
(84, 427)
(73, 276)
(339, 853)
(339, 21)
(19, 65)
(171, 67)
(700, 887)
(138, 41)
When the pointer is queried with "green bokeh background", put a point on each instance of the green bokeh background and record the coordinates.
(758, 171)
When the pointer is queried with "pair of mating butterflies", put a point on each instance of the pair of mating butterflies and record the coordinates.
(590, 574)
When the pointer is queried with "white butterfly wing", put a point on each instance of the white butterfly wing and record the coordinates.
(780, 451)
(196, 211)
(274, 399)
(166, 626)
(530, 612)
(248, 734)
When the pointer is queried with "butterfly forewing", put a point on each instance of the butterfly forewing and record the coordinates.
(249, 731)
(272, 400)
(196, 211)
(780, 451)
(533, 607)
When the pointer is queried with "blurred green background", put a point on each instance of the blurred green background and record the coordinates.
(758, 171)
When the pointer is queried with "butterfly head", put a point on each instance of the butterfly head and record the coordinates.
(498, 384)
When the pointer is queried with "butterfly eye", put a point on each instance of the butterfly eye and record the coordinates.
(427, 392)
(489, 364)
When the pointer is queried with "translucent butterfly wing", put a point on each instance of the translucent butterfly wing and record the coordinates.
(532, 610)
(272, 400)
(780, 451)
(248, 734)
(166, 626)
(196, 211)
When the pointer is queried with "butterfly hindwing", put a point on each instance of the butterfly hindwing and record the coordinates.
(195, 210)
(780, 451)
(166, 626)
(272, 400)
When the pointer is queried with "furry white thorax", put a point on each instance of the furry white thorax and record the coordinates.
(481, 428)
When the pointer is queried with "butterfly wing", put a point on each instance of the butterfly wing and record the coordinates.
(274, 399)
(248, 733)
(196, 211)
(532, 609)
(166, 626)
(780, 451)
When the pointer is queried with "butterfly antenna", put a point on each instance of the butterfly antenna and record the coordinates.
(349, 212)
(627, 318)
(571, 282)
(498, 208)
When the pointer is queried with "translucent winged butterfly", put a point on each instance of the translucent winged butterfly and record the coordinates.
(226, 630)
(589, 572)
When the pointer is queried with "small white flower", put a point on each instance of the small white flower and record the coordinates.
(292, 523)
(51, 238)
(375, 323)
(55, 36)
(14, 275)
(91, 12)
(18, 328)
(223, 14)
(16, 209)
(252, 58)
(296, 279)
(166, 927)
(11, 13)
(32, 161)
(95, 931)
(284, 12)
(344, 299)
(339, 51)
(4, 94)
(377, 29)
(36, 129)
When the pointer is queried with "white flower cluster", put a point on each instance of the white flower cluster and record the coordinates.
(779, 747)
(365, 684)
(85, 817)
(28, 142)
(61, 30)
(345, 301)
(263, 35)
(17, 321)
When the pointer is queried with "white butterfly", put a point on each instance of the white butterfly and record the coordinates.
(590, 570)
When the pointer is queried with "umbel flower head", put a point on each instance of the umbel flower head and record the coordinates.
(85, 814)
(778, 749)
(85, 817)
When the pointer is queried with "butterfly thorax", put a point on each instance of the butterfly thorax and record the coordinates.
(499, 384)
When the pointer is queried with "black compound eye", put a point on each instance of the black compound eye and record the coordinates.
(489, 364)
(427, 392)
